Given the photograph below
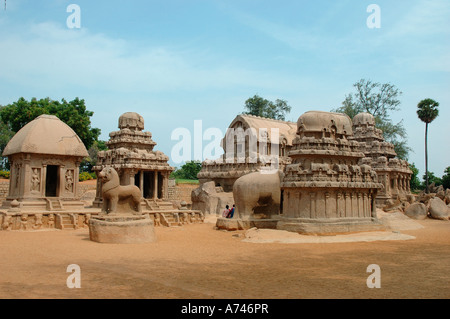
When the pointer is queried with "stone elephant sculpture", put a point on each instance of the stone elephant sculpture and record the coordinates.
(257, 195)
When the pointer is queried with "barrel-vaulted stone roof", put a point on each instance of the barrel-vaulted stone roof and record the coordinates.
(287, 130)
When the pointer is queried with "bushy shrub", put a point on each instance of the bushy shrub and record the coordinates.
(84, 176)
(5, 174)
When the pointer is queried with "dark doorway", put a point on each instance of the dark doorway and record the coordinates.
(52, 181)
(281, 202)
(149, 180)
(137, 179)
(160, 184)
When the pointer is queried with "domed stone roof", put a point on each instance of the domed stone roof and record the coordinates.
(318, 121)
(132, 121)
(46, 134)
(364, 119)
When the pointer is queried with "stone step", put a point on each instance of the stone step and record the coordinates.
(173, 224)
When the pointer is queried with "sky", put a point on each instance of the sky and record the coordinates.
(178, 62)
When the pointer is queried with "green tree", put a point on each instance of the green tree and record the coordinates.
(91, 160)
(188, 171)
(5, 135)
(446, 178)
(427, 112)
(380, 100)
(414, 182)
(429, 179)
(73, 113)
(259, 106)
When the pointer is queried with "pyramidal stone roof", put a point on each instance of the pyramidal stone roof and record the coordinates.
(46, 134)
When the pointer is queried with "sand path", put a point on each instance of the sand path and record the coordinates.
(196, 261)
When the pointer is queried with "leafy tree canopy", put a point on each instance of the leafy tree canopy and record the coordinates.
(427, 110)
(91, 160)
(5, 135)
(259, 106)
(414, 182)
(380, 100)
(446, 178)
(73, 113)
(188, 171)
(431, 179)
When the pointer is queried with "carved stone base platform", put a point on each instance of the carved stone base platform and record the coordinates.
(240, 224)
(122, 229)
(330, 226)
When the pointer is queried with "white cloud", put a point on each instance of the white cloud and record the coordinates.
(47, 54)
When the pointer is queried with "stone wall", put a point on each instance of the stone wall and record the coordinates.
(181, 192)
(4, 189)
(176, 192)
(83, 188)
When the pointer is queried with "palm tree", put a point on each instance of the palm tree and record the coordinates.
(427, 112)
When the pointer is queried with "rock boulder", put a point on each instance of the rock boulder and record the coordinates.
(438, 209)
(417, 211)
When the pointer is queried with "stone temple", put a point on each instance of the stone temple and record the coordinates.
(228, 168)
(334, 172)
(44, 186)
(44, 156)
(131, 153)
(326, 188)
(393, 173)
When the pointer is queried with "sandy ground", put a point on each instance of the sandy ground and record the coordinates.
(197, 261)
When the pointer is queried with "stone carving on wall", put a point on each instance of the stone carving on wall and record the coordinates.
(7, 222)
(36, 180)
(24, 222)
(17, 179)
(51, 221)
(38, 221)
(69, 180)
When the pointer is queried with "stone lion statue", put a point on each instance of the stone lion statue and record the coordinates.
(113, 192)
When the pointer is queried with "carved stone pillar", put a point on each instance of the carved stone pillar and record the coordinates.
(312, 205)
(132, 175)
(141, 182)
(165, 185)
(155, 185)
(44, 179)
(76, 178)
(26, 179)
(60, 191)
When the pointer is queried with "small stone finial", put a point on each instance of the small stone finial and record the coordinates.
(15, 206)
(132, 121)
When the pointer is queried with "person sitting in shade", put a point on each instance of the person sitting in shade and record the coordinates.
(231, 212)
(226, 211)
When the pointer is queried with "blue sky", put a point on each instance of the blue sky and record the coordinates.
(175, 62)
